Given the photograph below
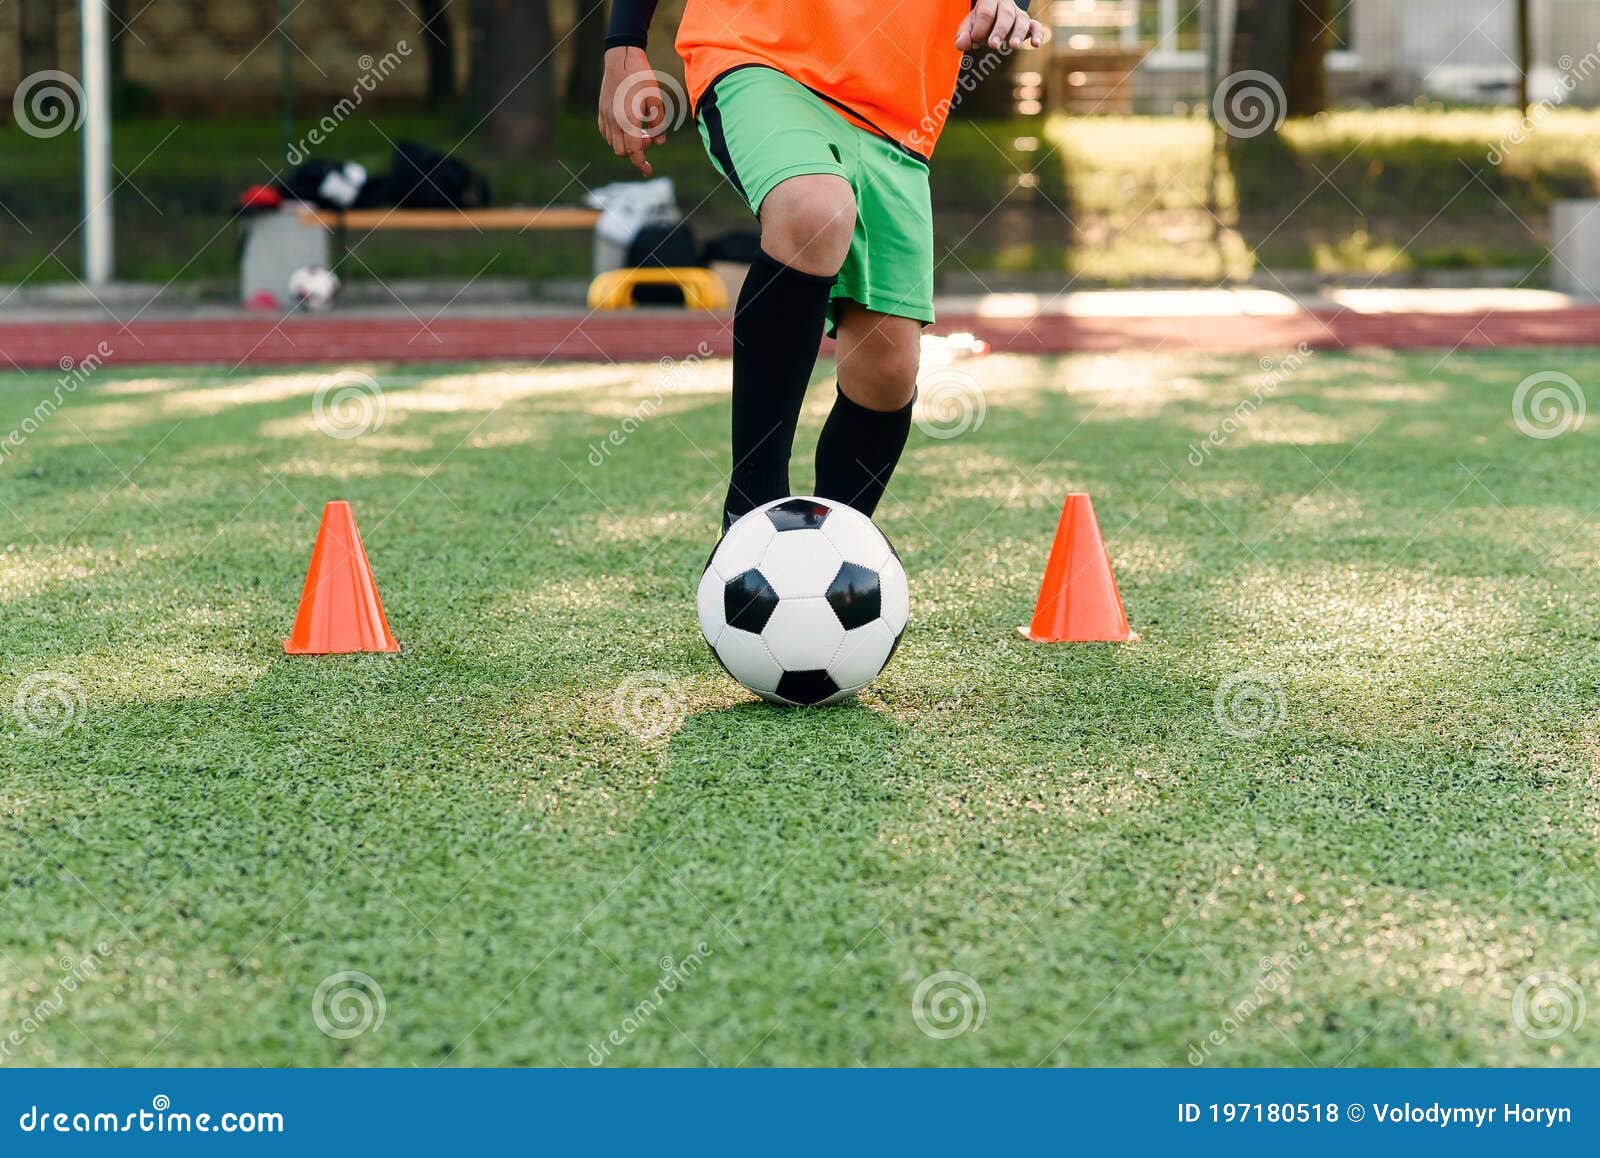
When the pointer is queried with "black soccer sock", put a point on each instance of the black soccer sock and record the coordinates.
(858, 451)
(777, 328)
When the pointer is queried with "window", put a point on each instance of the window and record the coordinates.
(1172, 26)
(1177, 28)
(1341, 35)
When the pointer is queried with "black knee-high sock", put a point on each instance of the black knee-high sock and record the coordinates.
(777, 327)
(858, 452)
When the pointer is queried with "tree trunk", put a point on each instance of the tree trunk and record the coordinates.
(1308, 57)
(117, 21)
(39, 39)
(1289, 43)
(588, 62)
(439, 48)
(1524, 52)
(512, 76)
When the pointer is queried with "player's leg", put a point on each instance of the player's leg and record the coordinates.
(884, 295)
(866, 431)
(778, 145)
(806, 225)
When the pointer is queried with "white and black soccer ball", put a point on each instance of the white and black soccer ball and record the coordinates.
(315, 286)
(804, 601)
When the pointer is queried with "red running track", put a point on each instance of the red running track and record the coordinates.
(650, 336)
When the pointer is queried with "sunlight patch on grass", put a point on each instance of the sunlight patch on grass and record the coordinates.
(139, 387)
(1362, 611)
(557, 599)
(965, 471)
(649, 529)
(1397, 393)
(1313, 513)
(382, 440)
(253, 391)
(1280, 421)
(29, 570)
(114, 680)
(1147, 555)
(489, 389)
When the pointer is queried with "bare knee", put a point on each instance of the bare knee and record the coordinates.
(878, 356)
(807, 222)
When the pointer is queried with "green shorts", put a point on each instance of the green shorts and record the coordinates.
(761, 128)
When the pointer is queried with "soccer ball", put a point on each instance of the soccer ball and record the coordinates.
(804, 601)
(315, 285)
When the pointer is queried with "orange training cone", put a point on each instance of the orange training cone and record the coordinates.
(1078, 600)
(339, 608)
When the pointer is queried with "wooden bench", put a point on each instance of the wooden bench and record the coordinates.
(339, 222)
(433, 220)
(701, 288)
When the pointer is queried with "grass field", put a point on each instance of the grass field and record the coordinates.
(1336, 807)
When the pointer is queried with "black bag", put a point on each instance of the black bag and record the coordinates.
(741, 247)
(662, 247)
(424, 178)
(304, 182)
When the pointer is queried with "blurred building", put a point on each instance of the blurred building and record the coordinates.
(205, 55)
(1152, 55)
(1114, 56)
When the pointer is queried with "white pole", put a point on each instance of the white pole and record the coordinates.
(97, 235)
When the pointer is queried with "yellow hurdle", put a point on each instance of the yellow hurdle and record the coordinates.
(702, 289)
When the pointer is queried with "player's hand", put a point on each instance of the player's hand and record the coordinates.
(1001, 25)
(632, 115)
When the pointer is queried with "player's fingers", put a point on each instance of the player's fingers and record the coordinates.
(964, 33)
(635, 145)
(1019, 30)
(1037, 34)
(1004, 21)
(983, 14)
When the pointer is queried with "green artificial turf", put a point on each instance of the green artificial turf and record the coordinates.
(1380, 849)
